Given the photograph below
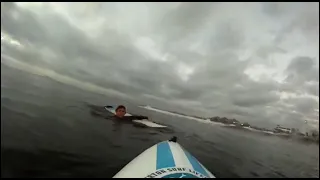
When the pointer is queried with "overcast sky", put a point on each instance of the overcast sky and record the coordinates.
(256, 62)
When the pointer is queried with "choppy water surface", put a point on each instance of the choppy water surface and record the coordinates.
(47, 130)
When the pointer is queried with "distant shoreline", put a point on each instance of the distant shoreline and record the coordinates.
(235, 124)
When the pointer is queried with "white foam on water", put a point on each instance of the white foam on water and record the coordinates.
(206, 121)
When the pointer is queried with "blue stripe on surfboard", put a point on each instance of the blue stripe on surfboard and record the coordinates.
(164, 156)
(195, 164)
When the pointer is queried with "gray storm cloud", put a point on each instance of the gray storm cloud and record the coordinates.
(258, 62)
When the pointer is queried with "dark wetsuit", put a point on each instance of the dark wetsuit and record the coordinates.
(130, 118)
(100, 111)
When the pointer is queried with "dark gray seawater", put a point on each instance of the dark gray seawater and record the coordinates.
(47, 130)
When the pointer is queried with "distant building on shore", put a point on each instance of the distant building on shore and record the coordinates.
(280, 129)
(245, 124)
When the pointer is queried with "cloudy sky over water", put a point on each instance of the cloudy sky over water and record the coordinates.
(256, 62)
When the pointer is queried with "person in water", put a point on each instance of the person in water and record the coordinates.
(120, 114)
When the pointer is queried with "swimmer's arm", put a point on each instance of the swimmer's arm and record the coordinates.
(138, 117)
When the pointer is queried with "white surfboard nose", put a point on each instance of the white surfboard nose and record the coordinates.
(166, 159)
